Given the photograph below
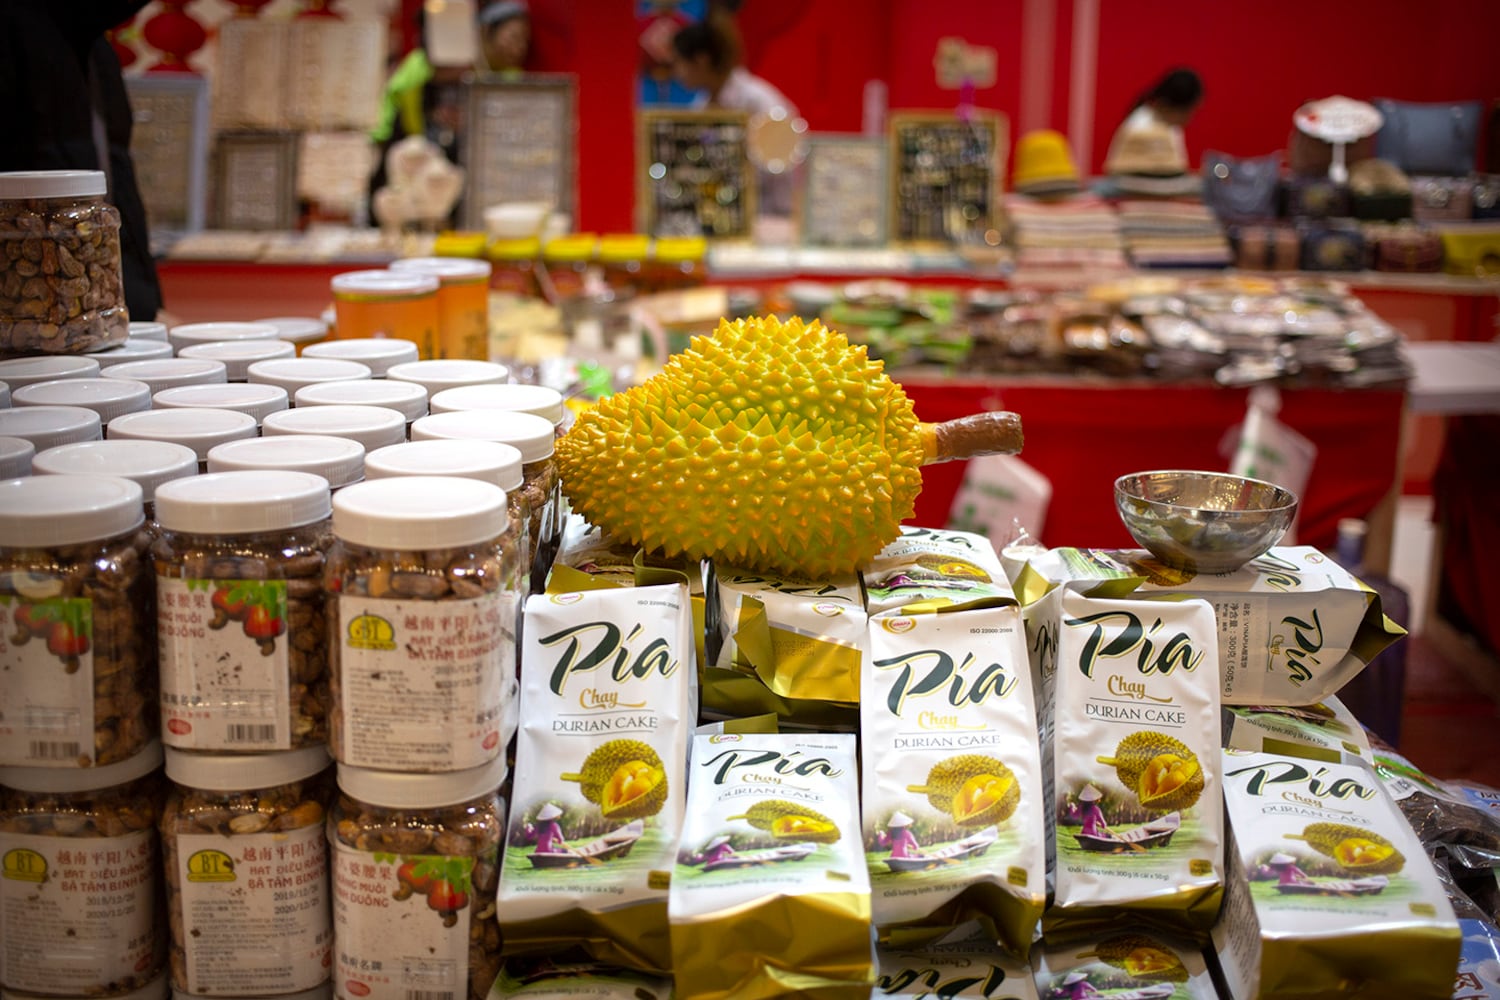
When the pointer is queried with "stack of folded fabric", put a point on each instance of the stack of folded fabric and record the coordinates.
(1082, 232)
(1173, 234)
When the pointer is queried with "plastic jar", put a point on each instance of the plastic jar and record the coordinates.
(238, 355)
(18, 373)
(15, 457)
(292, 374)
(147, 330)
(50, 426)
(148, 464)
(243, 645)
(407, 398)
(299, 331)
(79, 669)
(338, 460)
(132, 350)
(678, 263)
(566, 261)
(623, 256)
(259, 401)
(537, 400)
(188, 334)
(422, 597)
(172, 372)
(388, 304)
(247, 872)
(199, 430)
(433, 905)
(378, 354)
(487, 461)
(435, 376)
(463, 303)
(78, 903)
(61, 289)
(514, 263)
(106, 396)
(372, 426)
(4, 396)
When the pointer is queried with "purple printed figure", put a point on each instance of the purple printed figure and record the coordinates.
(550, 838)
(1093, 817)
(1287, 872)
(717, 850)
(1075, 987)
(903, 844)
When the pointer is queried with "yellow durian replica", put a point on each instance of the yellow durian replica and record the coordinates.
(790, 821)
(974, 789)
(777, 447)
(1164, 774)
(1356, 849)
(624, 778)
(1141, 958)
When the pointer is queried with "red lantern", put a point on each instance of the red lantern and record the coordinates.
(176, 35)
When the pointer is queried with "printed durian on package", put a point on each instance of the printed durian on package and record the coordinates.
(601, 755)
(1124, 963)
(964, 963)
(1330, 893)
(785, 645)
(952, 778)
(770, 896)
(1324, 731)
(1136, 731)
(931, 567)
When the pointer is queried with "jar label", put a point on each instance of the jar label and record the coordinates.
(402, 925)
(225, 678)
(255, 914)
(422, 685)
(47, 682)
(77, 914)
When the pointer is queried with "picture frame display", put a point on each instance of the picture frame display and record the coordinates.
(521, 143)
(843, 201)
(946, 175)
(255, 180)
(693, 174)
(169, 145)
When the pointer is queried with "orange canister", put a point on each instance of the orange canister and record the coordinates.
(463, 303)
(395, 304)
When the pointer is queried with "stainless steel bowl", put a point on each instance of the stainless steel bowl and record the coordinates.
(1205, 522)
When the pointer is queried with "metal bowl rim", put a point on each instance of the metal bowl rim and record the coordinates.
(1290, 503)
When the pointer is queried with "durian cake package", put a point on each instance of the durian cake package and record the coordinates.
(1330, 894)
(1136, 743)
(1325, 731)
(545, 979)
(952, 777)
(601, 753)
(1125, 963)
(588, 558)
(936, 566)
(962, 964)
(802, 638)
(770, 895)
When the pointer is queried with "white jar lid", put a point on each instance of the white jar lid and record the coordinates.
(293, 373)
(372, 426)
(392, 283)
(21, 372)
(445, 268)
(419, 512)
(50, 426)
(488, 461)
(379, 353)
(338, 460)
(132, 350)
(169, 373)
(107, 395)
(51, 183)
(144, 330)
(534, 399)
(15, 457)
(232, 503)
(244, 772)
(297, 329)
(83, 779)
(196, 429)
(67, 510)
(531, 434)
(259, 401)
(207, 333)
(410, 790)
(148, 464)
(408, 398)
(436, 376)
(238, 355)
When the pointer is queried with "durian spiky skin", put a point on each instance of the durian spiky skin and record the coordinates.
(948, 776)
(777, 447)
(764, 814)
(600, 766)
(1116, 951)
(1326, 837)
(1136, 751)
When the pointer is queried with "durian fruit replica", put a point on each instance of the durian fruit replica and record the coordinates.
(790, 821)
(1141, 958)
(1164, 774)
(1357, 850)
(776, 447)
(624, 778)
(974, 789)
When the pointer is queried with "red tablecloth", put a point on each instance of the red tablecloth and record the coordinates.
(1082, 436)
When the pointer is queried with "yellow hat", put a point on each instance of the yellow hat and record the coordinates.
(1044, 163)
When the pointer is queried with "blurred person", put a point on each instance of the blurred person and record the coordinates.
(1150, 139)
(706, 59)
(505, 36)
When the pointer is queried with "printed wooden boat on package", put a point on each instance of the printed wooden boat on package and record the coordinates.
(1336, 887)
(791, 852)
(1157, 833)
(615, 844)
(970, 846)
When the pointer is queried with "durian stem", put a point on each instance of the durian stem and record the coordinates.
(994, 433)
(728, 818)
(1295, 836)
(917, 789)
(1108, 761)
(571, 777)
